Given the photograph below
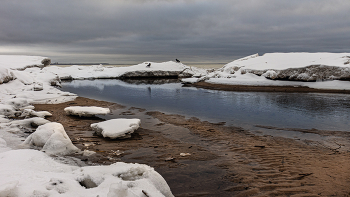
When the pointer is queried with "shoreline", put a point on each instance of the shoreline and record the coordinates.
(249, 88)
(225, 161)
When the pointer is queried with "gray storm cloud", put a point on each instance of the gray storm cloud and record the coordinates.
(156, 30)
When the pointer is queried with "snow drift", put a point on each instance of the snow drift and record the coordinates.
(294, 66)
(33, 173)
(156, 70)
(280, 68)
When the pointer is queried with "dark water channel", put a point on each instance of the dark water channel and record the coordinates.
(244, 109)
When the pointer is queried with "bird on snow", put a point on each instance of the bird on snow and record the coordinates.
(148, 65)
(178, 61)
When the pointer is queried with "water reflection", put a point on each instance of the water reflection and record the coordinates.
(294, 110)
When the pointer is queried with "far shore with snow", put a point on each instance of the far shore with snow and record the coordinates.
(313, 70)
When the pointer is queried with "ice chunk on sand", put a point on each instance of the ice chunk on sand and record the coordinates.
(86, 111)
(53, 138)
(116, 128)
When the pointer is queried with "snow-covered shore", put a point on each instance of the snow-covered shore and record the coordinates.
(314, 70)
(165, 69)
(24, 81)
(26, 171)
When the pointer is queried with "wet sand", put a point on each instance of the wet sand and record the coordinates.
(223, 161)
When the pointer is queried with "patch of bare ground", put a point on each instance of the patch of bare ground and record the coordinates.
(272, 166)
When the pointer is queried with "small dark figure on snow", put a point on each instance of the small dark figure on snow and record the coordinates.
(178, 61)
(148, 65)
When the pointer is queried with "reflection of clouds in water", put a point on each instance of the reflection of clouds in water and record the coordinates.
(85, 83)
(100, 84)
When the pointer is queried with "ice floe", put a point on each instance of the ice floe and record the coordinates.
(87, 111)
(116, 128)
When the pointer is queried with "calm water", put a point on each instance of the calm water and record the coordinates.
(245, 109)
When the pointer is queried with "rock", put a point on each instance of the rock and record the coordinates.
(46, 62)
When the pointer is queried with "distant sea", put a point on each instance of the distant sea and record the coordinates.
(199, 65)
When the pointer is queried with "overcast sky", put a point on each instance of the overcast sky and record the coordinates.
(134, 31)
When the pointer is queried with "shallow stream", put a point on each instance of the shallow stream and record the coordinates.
(243, 109)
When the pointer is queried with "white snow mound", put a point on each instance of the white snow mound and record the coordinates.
(280, 61)
(86, 111)
(53, 138)
(33, 173)
(116, 128)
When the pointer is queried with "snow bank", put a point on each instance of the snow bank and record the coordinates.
(116, 128)
(164, 69)
(295, 66)
(20, 62)
(33, 173)
(21, 77)
(27, 172)
(288, 67)
(86, 111)
(52, 138)
(281, 61)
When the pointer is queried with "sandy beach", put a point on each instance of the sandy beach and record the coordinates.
(222, 161)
